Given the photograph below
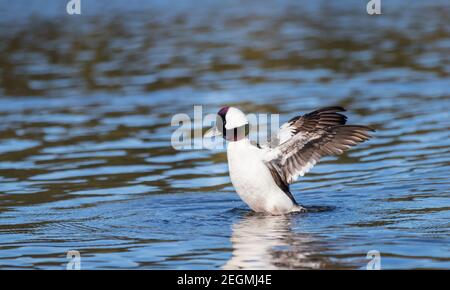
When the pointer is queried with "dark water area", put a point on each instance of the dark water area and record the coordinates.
(86, 161)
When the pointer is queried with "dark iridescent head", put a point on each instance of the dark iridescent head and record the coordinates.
(222, 112)
(231, 123)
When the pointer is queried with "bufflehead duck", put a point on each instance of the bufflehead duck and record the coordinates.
(261, 175)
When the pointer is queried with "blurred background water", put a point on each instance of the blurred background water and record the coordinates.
(85, 108)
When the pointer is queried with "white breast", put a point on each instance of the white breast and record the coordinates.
(253, 181)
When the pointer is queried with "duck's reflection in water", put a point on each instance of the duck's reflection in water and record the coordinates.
(268, 242)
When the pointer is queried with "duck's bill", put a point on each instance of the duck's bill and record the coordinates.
(213, 132)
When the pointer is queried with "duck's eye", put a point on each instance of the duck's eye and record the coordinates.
(220, 123)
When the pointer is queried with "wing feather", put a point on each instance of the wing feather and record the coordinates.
(313, 136)
(319, 119)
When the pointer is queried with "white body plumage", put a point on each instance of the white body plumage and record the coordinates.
(253, 181)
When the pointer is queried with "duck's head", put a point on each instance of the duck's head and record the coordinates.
(231, 124)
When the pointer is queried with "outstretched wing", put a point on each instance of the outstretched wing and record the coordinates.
(314, 135)
(319, 119)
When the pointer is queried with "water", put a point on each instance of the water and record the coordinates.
(85, 110)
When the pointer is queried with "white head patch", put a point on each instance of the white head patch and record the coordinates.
(235, 118)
